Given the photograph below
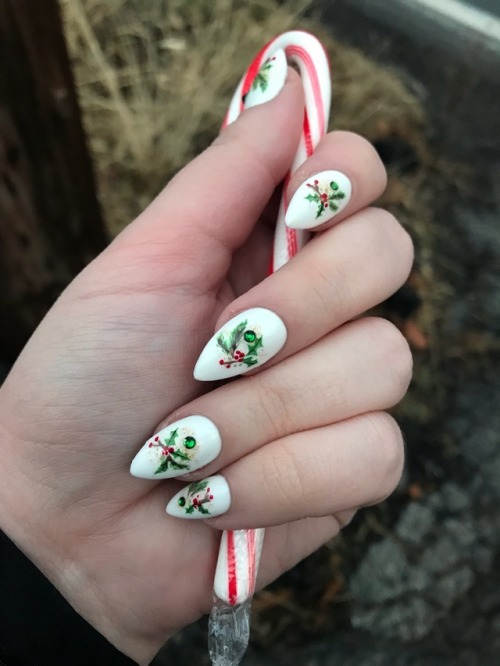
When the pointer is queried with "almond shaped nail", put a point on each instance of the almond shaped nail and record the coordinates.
(318, 200)
(244, 342)
(182, 447)
(268, 81)
(201, 499)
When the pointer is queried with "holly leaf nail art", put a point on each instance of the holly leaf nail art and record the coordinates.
(233, 345)
(325, 196)
(197, 487)
(262, 78)
(221, 341)
(196, 498)
(172, 456)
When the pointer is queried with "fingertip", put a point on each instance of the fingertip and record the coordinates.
(343, 176)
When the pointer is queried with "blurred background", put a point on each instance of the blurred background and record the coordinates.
(102, 102)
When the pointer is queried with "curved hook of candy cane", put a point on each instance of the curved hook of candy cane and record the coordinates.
(239, 552)
(307, 53)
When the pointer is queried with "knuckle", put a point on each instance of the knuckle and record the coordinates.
(274, 406)
(394, 352)
(285, 479)
(329, 286)
(387, 438)
(389, 231)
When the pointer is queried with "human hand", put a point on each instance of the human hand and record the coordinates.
(112, 362)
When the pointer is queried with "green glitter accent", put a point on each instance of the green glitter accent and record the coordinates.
(250, 336)
(189, 442)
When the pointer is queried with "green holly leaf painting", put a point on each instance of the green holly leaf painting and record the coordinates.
(260, 81)
(179, 454)
(202, 509)
(312, 197)
(172, 437)
(230, 343)
(337, 196)
(190, 508)
(249, 361)
(236, 334)
(197, 487)
(168, 461)
(223, 344)
(253, 348)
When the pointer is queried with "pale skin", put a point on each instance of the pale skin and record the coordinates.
(306, 440)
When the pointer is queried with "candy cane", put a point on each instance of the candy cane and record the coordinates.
(240, 550)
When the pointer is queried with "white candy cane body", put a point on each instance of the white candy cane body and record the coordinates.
(240, 550)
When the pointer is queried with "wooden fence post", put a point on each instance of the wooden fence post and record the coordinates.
(50, 222)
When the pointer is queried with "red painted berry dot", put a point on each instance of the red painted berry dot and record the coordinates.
(221, 362)
(211, 496)
(164, 453)
(171, 449)
(228, 365)
(316, 182)
(326, 205)
(150, 444)
(208, 490)
(157, 439)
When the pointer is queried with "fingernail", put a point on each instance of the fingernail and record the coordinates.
(245, 342)
(318, 199)
(201, 499)
(180, 448)
(268, 81)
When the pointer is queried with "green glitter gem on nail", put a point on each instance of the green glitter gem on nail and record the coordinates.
(334, 186)
(250, 336)
(181, 501)
(189, 442)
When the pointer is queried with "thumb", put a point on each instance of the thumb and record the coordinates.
(211, 206)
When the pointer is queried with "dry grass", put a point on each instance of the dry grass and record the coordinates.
(155, 79)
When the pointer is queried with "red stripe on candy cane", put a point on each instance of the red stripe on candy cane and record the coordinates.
(251, 559)
(232, 588)
(302, 54)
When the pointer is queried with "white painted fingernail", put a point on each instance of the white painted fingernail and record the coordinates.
(180, 448)
(318, 199)
(201, 499)
(268, 81)
(245, 342)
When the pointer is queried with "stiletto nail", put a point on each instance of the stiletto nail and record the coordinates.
(246, 341)
(201, 499)
(268, 81)
(318, 199)
(180, 448)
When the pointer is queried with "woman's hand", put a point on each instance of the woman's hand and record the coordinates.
(305, 441)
